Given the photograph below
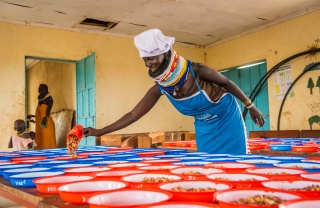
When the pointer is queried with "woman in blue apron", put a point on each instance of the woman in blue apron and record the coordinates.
(194, 90)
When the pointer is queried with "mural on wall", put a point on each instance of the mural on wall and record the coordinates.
(313, 102)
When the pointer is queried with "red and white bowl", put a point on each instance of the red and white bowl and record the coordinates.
(133, 198)
(231, 167)
(238, 180)
(115, 174)
(80, 192)
(301, 203)
(85, 170)
(180, 190)
(162, 169)
(137, 181)
(277, 173)
(195, 173)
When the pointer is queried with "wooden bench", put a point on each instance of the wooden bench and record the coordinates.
(275, 134)
(310, 133)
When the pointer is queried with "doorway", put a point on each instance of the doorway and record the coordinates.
(247, 77)
(61, 78)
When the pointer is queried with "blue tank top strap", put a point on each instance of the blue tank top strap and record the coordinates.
(194, 76)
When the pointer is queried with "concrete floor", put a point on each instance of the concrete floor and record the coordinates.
(5, 203)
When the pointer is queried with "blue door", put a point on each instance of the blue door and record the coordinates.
(247, 78)
(86, 96)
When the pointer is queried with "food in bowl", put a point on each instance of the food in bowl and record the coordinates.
(199, 189)
(260, 200)
(156, 179)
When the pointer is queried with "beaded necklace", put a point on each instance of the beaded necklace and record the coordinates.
(20, 134)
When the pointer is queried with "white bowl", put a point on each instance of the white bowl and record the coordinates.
(271, 171)
(296, 165)
(62, 179)
(236, 177)
(159, 167)
(139, 177)
(90, 186)
(125, 165)
(191, 184)
(311, 176)
(86, 169)
(286, 185)
(132, 198)
(204, 171)
(302, 203)
(177, 204)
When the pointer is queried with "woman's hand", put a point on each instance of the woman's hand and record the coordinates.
(44, 122)
(90, 132)
(256, 116)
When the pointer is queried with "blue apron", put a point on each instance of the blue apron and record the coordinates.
(219, 127)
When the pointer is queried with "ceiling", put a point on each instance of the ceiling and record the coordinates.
(191, 22)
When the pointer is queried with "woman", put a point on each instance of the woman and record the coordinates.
(195, 90)
(45, 136)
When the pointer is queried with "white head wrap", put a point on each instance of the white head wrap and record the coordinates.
(152, 43)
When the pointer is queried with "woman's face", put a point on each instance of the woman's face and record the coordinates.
(154, 63)
(42, 89)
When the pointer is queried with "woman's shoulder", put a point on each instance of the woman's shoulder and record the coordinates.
(26, 136)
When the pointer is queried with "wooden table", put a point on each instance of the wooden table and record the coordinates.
(30, 197)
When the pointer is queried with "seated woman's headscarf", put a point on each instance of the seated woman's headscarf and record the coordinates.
(174, 70)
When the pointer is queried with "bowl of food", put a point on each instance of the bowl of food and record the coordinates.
(181, 204)
(252, 198)
(150, 153)
(115, 174)
(309, 167)
(277, 173)
(200, 191)
(85, 170)
(195, 173)
(80, 192)
(134, 198)
(127, 166)
(301, 203)
(149, 180)
(162, 169)
(311, 176)
(311, 189)
(238, 180)
(231, 167)
(260, 162)
(7, 173)
(161, 161)
(50, 185)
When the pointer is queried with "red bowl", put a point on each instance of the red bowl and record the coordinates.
(183, 144)
(115, 174)
(136, 181)
(162, 169)
(182, 204)
(18, 159)
(120, 149)
(231, 167)
(239, 180)
(311, 176)
(277, 173)
(180, 189)
(85, 170)
(127, 166)
(230, 198)
(295, 187)
(150, 153)
(161, 161)
(69, 157)
(80, 192)
(128, 198)
(299, 203)
(50, 185)
(170, 144)
(195, 173)
(305, 148)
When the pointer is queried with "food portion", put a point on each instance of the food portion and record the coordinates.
(156, 179)
(72, 145)
(192, 173)
(307, 188)
(179, 188)
(261, 200)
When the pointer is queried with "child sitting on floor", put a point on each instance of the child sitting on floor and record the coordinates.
(21, 140)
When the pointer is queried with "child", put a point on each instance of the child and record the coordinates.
(22, 139)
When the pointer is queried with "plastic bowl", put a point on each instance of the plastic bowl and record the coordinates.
(305, 148)
(18, 159)
(181, 204)
(115, 174)
(192, 163)
(231, 167)
(133, 198)
(303, 185)
(120, 149)
(309, 167)
(301, 203)
(80, 192)
(229, 198)
(7, 173)
(13, 166)
(180, 189)
(280, 147)
(239, 180)
(50, 185)
(127, 166)
(86, 170)
(277, 173)
(260, 162)
(195, 173)
(108, 162)
(311, 176)
(164, 169)
(51, 163)
(161, 161)
(137, 180)
(68, 166)
(26, 179)
(287, 159)
(150, 153)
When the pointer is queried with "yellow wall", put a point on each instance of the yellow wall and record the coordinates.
(121, 77)
(275, 44)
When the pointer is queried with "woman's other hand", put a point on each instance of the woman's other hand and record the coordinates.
(90, 132)
(44, 122)
(256, 116)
